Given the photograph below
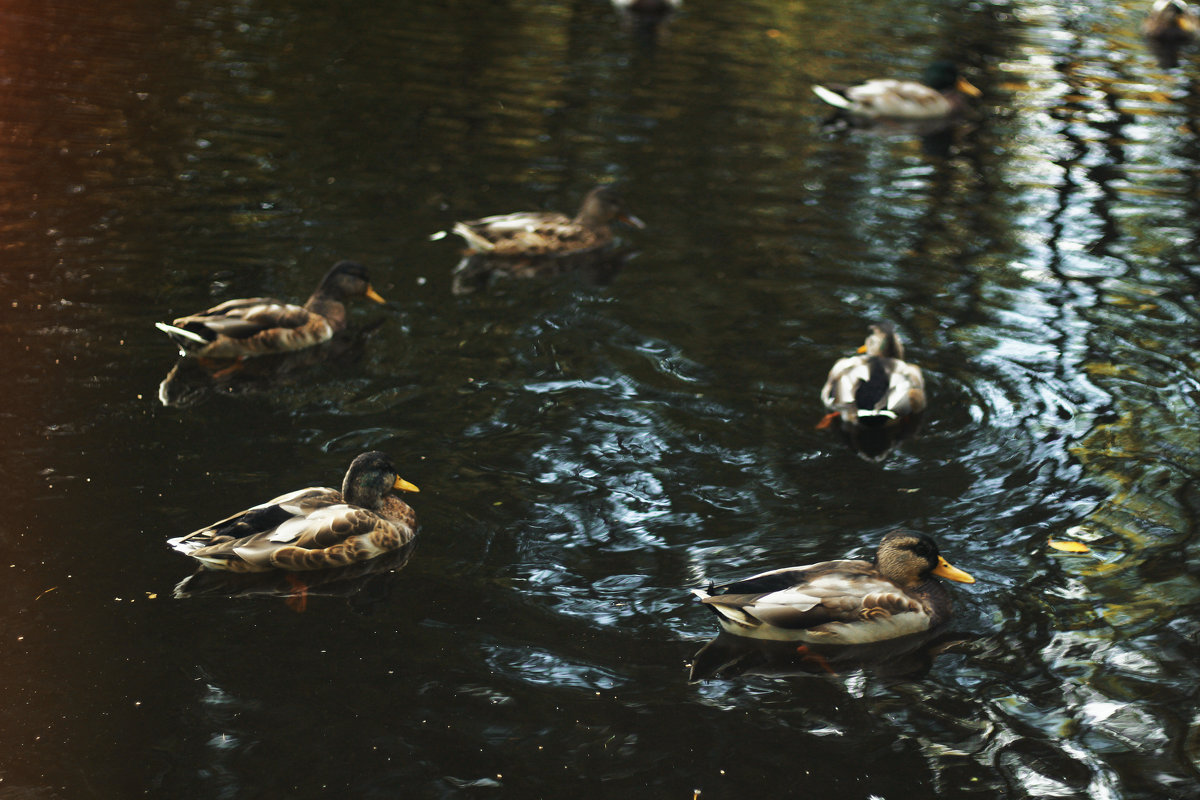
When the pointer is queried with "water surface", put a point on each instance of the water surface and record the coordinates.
(587, 453)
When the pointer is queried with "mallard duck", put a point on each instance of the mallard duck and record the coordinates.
(939, 94)
(539, 233)
(842, 602)
(259, 326)
(314, 528)
(877, 386)
(1171, 21)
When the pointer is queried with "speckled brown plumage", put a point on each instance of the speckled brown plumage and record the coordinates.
(842, 602)
(259, 326)
(539, 233)
(314, 528)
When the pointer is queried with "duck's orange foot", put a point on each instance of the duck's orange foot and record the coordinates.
(827, 420)
(298, 600)
(816, 658)
(232, 368)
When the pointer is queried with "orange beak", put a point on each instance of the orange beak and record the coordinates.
(968, 88)
(951, 573)
(404, 485)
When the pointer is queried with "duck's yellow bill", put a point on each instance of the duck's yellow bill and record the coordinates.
(374, 295)
(951, 573)
(862, 348)
(967, 88)
(404, 485)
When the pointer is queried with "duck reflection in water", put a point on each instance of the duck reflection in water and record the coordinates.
(878, 396)
(593, 268)
(537, 243)
(729, 656)
(192, 381)
(646, 20)
(364, 583)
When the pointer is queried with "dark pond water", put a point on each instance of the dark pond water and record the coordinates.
(588, 453)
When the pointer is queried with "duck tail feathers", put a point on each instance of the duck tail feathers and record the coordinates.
(472, 238)
(179, 334)
(832, 98)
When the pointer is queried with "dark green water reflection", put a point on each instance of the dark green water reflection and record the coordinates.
(588, 453)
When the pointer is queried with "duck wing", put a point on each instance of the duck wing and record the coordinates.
(241, 319)
(330, 536)
(874, 386)
(528, 234)
(815, 602)
(216, 545)
(906, 389)
(249, 327)
(841, 387)
(887, 97)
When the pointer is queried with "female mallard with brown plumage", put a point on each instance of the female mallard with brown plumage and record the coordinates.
(842, 602)
(314, 528)
(941, 93)
(540, 233)
(259, 326)
(877, 386)
(1171, 22)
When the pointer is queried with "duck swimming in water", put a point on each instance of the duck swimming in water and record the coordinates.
(877, 386)
(258, 326)
(846, 602)
(940, 94)
(314, 528)
(541, 233)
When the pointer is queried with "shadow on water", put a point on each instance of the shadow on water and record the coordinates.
(356, 581)
(908, 658)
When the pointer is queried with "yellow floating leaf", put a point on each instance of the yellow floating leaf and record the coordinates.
(1070, 547)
